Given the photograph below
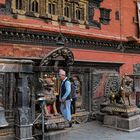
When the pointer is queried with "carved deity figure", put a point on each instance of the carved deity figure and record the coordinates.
(48, 83)
(78, 92)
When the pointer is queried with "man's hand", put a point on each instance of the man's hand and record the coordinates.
(62, 100)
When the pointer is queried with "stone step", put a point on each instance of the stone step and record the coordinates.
(58, 122)
(125, 124)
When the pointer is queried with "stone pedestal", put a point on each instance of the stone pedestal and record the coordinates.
(3, 122)
(57, 135)
(24, 132)
(23, 124)
(122, 117)
(125, 124)
(121, 110)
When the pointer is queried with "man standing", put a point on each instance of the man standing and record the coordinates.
(73, 96)
(64, 96)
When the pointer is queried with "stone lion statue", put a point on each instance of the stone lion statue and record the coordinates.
(48, 86)
(126, 89)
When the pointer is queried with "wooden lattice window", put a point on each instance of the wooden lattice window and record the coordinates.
(34, 6)
(19, 4)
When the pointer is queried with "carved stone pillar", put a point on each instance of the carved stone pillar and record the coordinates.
(13, 4)
(3, 122)
(8, 4)
(60, 9)
(23, 121)
(23, 112)
(24, 5)
(43, 7)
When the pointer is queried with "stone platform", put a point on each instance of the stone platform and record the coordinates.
(126, 124)
(57, 135)
(80, 117)
(56, 128)
(54, 135)
(119, 116)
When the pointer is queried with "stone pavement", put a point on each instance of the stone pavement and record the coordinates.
(90, 131)
(95, 131)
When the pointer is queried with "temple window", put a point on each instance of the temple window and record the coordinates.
(74, 11)
(79, 14)
(67, 11)
(117, 15)
(105, 15)
(34, 6)
(19, 4)
(52, 8)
